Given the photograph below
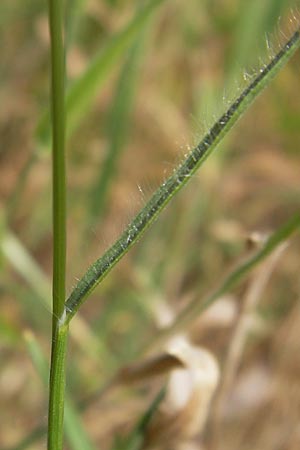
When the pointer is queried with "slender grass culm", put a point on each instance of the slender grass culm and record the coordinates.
(65, 309)
(59, 330)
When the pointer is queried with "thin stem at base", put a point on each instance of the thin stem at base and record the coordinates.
(57, 389)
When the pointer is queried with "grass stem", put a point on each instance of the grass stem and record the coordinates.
(59, 333)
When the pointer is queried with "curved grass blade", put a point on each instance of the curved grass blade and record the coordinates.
(98, 271)
(81, 95)
(119, 121)
(255, 19)
(196, 307)
(12, 249)
(135, 440)
(74, 12)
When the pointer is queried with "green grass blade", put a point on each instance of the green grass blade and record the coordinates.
(74, 13)
(81, 95)
(196, 307)
(25, 265)
(276, 9)
(135, 440)
(119, 120)
(76, 435)
(251, 23)
(9, 334)
(99, 270)
(18, 256)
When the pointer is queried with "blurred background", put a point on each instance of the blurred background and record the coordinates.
(161, 90)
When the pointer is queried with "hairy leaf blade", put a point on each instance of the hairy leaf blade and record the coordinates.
(98, 271)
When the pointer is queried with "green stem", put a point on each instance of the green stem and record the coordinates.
(59, 177)
(59, 331)
(57, 390)
(99, 270)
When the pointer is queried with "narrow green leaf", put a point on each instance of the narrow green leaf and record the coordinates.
(76, 435)
(136, 438)
(250, 24)
(8, 332)
(196, 307)
(74, 13)
(82, 94)
(119, 119)
(25, 265)
(99, 270)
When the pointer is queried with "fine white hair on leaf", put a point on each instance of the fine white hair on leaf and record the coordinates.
(186, 169)
(140, 189)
